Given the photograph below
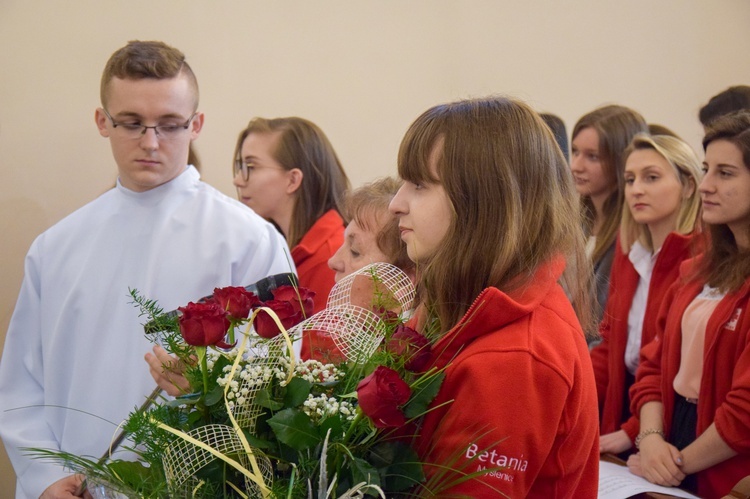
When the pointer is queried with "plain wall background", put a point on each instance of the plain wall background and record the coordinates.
(361, 70)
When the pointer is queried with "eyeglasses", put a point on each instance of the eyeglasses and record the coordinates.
(247, 168)
(134, 130)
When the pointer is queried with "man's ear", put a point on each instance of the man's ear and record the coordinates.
(101, 122)
(196, 125)
(294, 179)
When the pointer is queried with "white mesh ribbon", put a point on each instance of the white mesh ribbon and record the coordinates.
(355, 307)
(186, 456)
(262, 357)
(355, 331)
(353, 322)
(198, 447)
(378, 285)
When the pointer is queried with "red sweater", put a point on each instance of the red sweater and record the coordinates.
(608, 357)
(311, 256)
(518, 399)
(724, 396)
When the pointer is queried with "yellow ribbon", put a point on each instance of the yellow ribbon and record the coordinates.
(256, 476)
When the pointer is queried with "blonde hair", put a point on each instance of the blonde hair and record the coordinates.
(368, 207)
(514, 204)
(302, 144)
(615, 126)
(688, 169)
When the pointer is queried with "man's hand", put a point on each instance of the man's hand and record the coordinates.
(167, 372)
(66, 488)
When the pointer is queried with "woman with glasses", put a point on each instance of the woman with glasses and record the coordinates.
(286, 170)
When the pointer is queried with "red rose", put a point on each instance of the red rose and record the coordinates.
(300, 298)
(387, 316)
(237, 301)
(266, 327)
(380, 395)
(412, 346)
(204, 324)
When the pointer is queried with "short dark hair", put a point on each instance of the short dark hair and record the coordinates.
(730, 100)
(557, 125)
(657, 129)
(151, 59)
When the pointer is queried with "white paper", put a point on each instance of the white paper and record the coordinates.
(617, 482)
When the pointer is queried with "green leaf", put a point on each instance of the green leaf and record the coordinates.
(131, 472)
(215, 395)
(362, 471)
(213, 471)
(193, 418)
(421, 398)
(295, 429)
(405, 470)
(255, 442)
(333, 423)
(187, 399)
(263, 398)
(219, 364)
(296, 392)
(383, 454)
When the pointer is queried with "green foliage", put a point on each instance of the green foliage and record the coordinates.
(296, 392)
(363, 471)
(295, 429)
(424, 391)
(310, 447)
(398, 465)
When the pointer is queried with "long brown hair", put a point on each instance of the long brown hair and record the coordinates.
(616, 126)
(513, 200)
(725, 265)
(302, 144)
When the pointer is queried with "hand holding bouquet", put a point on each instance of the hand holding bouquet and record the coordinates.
(260, 423)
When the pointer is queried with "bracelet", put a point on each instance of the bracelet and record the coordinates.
(645, 433)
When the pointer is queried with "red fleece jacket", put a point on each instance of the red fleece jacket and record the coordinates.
(724, 395)
(518, 399)
(311, 257)
(608, 357)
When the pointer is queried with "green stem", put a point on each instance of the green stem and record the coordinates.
(201, 351)
(232, 325)
(352, 427)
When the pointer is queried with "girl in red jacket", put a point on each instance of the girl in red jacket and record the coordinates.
(661, 204)
(489, 214)
(596, 160)
(287, 171)
(693, 386)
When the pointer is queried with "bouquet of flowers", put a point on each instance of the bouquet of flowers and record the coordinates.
(258, 421)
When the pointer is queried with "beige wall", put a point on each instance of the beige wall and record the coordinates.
(361, 70)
